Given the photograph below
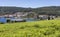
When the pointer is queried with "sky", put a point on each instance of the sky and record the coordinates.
(30, 3)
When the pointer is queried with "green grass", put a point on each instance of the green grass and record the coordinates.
(43, 28)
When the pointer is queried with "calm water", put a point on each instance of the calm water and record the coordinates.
(30, 19)
(27, 19)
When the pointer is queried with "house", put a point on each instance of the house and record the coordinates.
(43, 17)
(52, 17)
(20, 14)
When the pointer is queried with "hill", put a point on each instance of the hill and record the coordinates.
(51, 10)
(11, 10)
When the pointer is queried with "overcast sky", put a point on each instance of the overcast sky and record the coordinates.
(30, 3)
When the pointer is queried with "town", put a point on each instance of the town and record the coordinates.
(24, 17)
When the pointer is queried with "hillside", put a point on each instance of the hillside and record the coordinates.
(11, 10)
(44, 28)
(51, 10)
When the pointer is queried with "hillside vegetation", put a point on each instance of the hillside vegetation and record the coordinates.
(51, 10)
(43, 28)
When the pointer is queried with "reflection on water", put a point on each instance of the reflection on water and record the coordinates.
(30, 19)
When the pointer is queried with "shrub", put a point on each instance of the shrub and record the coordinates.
(22, 27)
(57, 27)
(49, 32)
(37, 26)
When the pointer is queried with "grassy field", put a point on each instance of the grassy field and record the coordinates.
(43, 28)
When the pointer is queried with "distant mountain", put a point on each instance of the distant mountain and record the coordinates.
(11, 10)
(51, 10)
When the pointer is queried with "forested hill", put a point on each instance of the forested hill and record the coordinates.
(53, 10)
(11, 10)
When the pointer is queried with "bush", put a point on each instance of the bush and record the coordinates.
(49, 32)
(22, 27)
(1, 22)
(37, 26)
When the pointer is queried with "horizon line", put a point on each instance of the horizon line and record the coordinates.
(24, 7)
